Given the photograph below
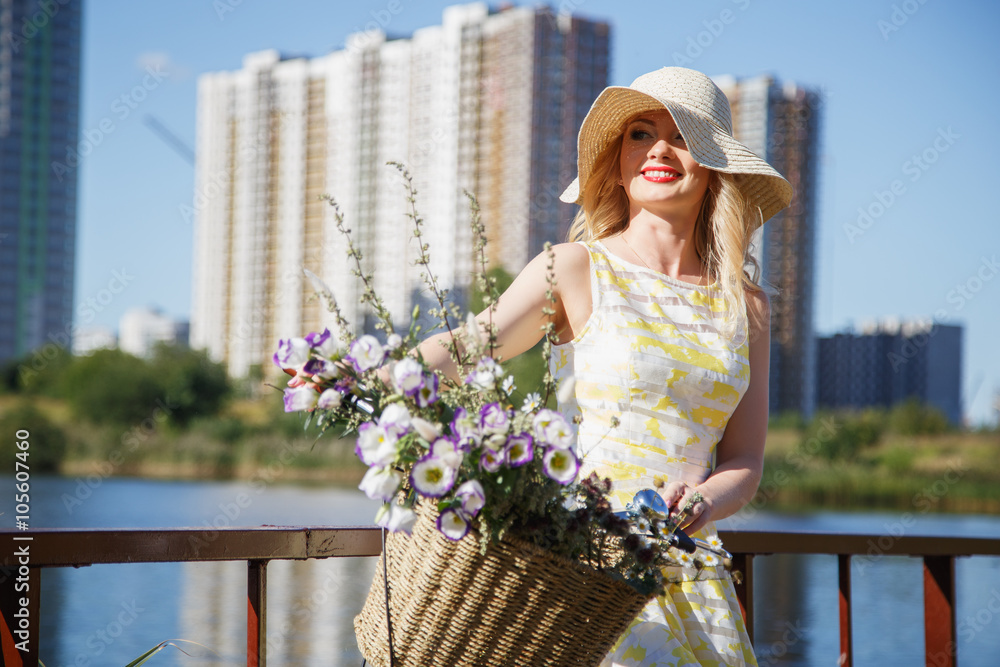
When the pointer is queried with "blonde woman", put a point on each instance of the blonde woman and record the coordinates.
(662, 324)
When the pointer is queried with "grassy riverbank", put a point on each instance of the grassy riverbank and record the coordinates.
(834, 464)
(950, 472)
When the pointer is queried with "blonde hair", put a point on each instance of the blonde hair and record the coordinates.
(721, 235)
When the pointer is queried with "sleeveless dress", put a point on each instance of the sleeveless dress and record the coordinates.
(651, 355)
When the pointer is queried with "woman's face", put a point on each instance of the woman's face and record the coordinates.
(657, 170)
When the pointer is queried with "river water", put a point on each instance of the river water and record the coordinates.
(110, 614)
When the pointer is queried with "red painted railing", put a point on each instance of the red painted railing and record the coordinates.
(20, 577)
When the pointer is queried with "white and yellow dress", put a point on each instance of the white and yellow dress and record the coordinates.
(651, 355)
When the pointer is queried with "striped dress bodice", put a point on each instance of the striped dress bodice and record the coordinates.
(650, 354)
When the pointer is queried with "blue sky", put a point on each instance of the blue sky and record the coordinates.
(910, 135)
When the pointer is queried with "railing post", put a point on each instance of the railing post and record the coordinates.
(844, 583)
(743, 563)
(10, 618)
(257, 613)
(939, 611)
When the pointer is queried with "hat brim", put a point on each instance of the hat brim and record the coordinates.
(710, 145)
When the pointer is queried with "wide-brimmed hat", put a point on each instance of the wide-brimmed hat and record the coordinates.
(701, 111)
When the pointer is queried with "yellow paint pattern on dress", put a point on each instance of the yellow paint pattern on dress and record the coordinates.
(723, 393)
(709, 416)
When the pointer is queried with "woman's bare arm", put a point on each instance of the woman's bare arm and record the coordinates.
(519, 316)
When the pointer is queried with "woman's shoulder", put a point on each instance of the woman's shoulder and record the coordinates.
(567, 257)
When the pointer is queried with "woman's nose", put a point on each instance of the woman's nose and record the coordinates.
(661, 148)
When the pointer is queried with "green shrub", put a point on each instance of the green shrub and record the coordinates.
(112, 387)
(911, 417)
(191, 384)
(899, 459)
(842, 435)
(47, 440)
(789, 420)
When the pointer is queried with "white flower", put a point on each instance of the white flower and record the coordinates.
(453, 525)
(395, 418)
(430, 476)
(714, 542)
(561, 465)
(366, 353)
(566, 388)
(485, 375)
(642, 524)
(445, 450)
(292, 353)
(393, 341)
(408, 376)
(381, 483)
(396, 518)
(685, 559)
(531, 402)
(376, 445)
(298, 399)
(429, 431)
(329, 400)
(508, 385)
(710, 560)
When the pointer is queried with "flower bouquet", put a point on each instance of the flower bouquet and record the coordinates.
(497, 553)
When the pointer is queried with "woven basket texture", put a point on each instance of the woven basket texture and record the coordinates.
(514, 605)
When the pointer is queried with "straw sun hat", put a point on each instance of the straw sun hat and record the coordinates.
(702, 114)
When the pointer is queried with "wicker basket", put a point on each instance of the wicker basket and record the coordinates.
(515, 605)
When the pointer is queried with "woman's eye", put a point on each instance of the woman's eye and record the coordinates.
(636, 135)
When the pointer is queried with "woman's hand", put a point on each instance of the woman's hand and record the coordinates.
(677, 495)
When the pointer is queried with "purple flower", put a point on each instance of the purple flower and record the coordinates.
(561, 465)
(453, 525)
(320, 367)
(366, 353)
(551, 429)
(298, 399)
(472, 496)
(491, 460)
(465, 427)
(323, 342)
(292, 353)
(427, 394)
(493, 418)
(408, 376)
(432, 477)
(519, 450)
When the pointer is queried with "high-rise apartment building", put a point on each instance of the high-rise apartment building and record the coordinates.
(488, 103)
(889, 362)
(781, 123)
(39, 111)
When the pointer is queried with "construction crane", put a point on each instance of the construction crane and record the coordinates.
(169, 138)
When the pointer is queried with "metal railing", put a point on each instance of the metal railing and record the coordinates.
(27, 553)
